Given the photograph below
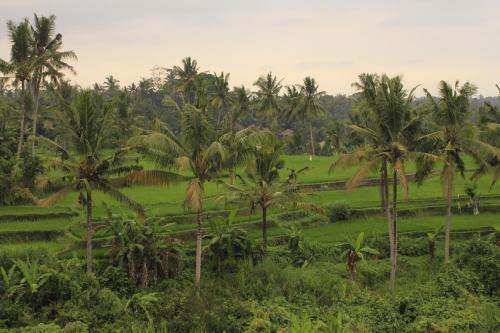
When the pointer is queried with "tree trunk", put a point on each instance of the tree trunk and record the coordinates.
(199, 238)
(23, 121)
(389, 228)
(432, 248)
(264, 230)
(312, 140)
(90, 232)
(36, 100)
(352, 259)
(394, 240)
(448, 221)
(383, 185)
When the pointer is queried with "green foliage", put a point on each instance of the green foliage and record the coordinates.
(457, 283)
(482, 257)
(338, 211)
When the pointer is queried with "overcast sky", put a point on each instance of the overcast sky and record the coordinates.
(331, 40)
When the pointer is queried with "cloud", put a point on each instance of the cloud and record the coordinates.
(331, 40)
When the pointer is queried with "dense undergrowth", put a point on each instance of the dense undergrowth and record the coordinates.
(297, 288)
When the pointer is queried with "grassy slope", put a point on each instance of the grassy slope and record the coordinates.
(168, 201)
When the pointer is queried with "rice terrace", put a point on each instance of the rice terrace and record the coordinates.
(212, 167)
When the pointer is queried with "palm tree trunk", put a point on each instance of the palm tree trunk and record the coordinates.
(312, 140)
(23, 121)
(264, 230)
(383, 185)
(389, 228)
(36, 100)
(394, 240)
(199, 237)
(448, 221)
(90, 232)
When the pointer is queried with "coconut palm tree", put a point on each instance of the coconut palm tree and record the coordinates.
(222, 99)
(197, 152)
(267, 94)
(390, 142)
(186, 76)
(307, 106)
(354, 252)
(111, 84)
(50, 61)
(240, 147)
(241, 103)
(19, 69)
(87, 120)
(262, 187)
(453, 137)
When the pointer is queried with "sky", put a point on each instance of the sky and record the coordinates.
(331, 40)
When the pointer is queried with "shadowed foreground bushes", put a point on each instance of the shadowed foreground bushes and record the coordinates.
(44, 294)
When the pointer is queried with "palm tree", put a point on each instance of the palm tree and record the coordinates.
(389, 137)
(87, 121)
(124, 115)
(186, 76)
(111, 84)
(241, 103)
(489, 124)
(240, 147)
(20, 68)
(267, 96)
(307, 106)
(222, 99)
(354, 252)
(455, 135)
(262, 186)
(49, 60)
(197, 152)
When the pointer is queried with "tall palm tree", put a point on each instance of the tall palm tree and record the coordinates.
(111, 84)
(87, 120)
(267, 94)
(241, 103)
(50, 61)
(389, 138)
(307, 106)
(262, 186)
(240, 147)
(186, 76)
(222, 99)
(19, 69)
(124, 115)
(197, 152)
(454, 136)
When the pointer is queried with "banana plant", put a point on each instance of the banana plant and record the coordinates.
(10, 280)
(33, 274)
(431, 241)
(354, 252)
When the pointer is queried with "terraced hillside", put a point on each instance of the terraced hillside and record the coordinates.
(423, 210)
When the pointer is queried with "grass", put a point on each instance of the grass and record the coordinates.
(45, 225)
(167, 201)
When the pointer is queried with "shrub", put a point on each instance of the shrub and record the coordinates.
(338, 211)
(412, 247)
(454, 282)
(483, 258)
(370, 274)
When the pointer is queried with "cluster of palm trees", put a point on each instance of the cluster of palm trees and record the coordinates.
(36, 58)
(390, 131)
(396, 132)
